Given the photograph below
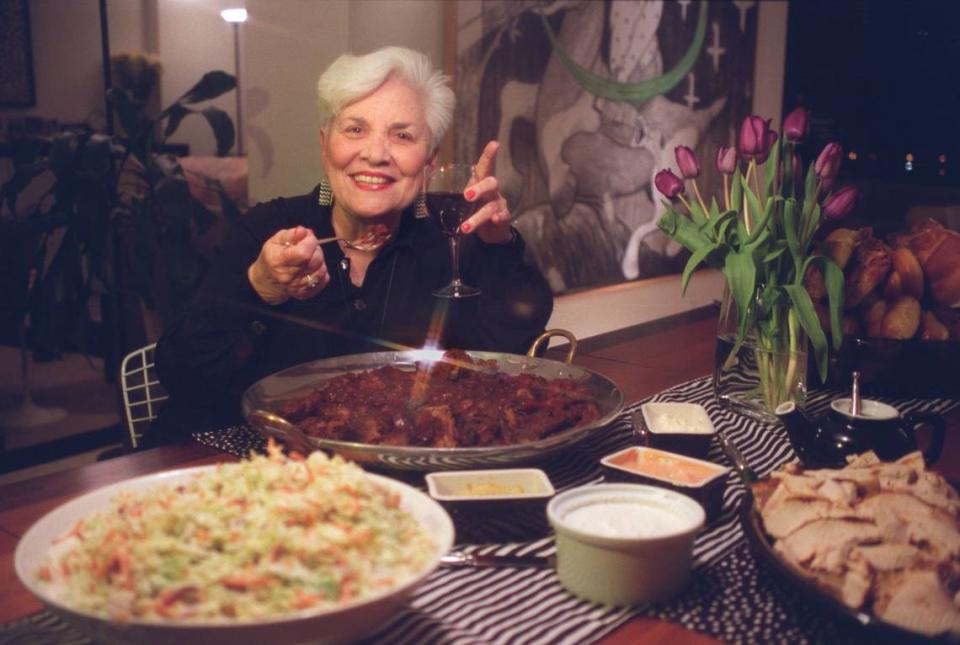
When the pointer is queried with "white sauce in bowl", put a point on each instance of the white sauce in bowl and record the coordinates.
(623, 519)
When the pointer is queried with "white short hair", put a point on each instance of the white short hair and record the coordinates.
(352, 77)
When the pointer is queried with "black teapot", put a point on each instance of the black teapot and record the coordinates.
(854, 425)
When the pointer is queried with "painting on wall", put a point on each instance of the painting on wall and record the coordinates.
(16, 68)
(589, 100)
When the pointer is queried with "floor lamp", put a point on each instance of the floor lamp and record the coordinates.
(235, 17)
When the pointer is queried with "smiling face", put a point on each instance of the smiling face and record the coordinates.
(374, 153)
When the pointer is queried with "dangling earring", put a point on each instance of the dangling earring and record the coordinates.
(420, 208)
(326, 194)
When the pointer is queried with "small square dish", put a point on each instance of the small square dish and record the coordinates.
(678, 427)
(494, 505)
(702, 480)
(471, 486)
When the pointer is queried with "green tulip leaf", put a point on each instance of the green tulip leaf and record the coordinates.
(741, 273)
(760, 225)
(810, 187)
(736, 192)
(807, 316)
(791, 223)
(682, 230)
(771, 166)
(834, 280)
(696, 258)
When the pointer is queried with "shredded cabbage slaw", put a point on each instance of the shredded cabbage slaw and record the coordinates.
(243, 541)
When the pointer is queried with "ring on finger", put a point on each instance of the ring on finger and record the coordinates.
(312, 281)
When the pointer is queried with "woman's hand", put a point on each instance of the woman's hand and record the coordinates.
(491, 222)
(290, 265)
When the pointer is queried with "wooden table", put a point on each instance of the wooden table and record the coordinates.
(643, 361)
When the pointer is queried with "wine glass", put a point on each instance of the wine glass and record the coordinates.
(448, 208)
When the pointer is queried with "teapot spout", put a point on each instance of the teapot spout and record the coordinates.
(801, 430)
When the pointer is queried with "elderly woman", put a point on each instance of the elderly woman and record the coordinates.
(277, 295)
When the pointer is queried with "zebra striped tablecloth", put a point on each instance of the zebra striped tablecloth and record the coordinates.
(729, 596)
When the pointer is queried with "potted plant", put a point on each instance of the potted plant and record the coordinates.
(760, 234)
(111, 216)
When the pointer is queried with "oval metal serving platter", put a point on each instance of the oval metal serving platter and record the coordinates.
(264, 398)
(762, 547)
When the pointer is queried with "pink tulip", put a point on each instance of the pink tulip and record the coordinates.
(756, 138)
(726, 160)
(796, 126)
(687, 162)
(840, 203)
(827, 165)
(668, 183)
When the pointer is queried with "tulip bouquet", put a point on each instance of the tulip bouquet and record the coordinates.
(760, 234)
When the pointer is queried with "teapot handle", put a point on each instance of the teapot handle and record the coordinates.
(914, 419)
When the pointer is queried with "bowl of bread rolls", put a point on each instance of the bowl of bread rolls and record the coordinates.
(901, 319)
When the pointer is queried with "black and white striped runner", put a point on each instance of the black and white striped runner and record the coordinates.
(729, 597)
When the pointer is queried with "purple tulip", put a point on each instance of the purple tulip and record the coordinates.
(771, 139)
(827, 165)
(840, 203)
(726, 160)
(796, 126)
(756, 138)
(668, 183)
(687, 162)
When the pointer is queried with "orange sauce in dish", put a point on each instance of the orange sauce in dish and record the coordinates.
(664, 466)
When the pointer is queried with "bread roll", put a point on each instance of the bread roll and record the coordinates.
(932, 329)
(902, 319)
(841, 242)
(869, 271)
(938, 252)
(907, 267)
(872, 315)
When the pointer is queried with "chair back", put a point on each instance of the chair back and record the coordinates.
(142, 393)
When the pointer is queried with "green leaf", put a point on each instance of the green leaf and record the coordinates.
(736, 192)
(174, 117)
(756, 213)
(788, 187)
(714, 209)
(222, 129)
(212, 85)
(770, 167)
(779, 248)
(719, 224)
(760, 226)
(811, 324)
(682, 230)
(696, 258)
(696, 213)
(834, 281)
(791, 222)
(741, 273)
(810, 188)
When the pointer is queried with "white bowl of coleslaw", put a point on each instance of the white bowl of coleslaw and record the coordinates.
(265, 551)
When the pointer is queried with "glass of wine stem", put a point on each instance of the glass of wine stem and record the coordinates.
(448, 208)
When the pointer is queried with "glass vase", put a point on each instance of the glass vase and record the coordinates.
(768, 368)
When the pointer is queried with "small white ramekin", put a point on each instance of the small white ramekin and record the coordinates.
(624, 567)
